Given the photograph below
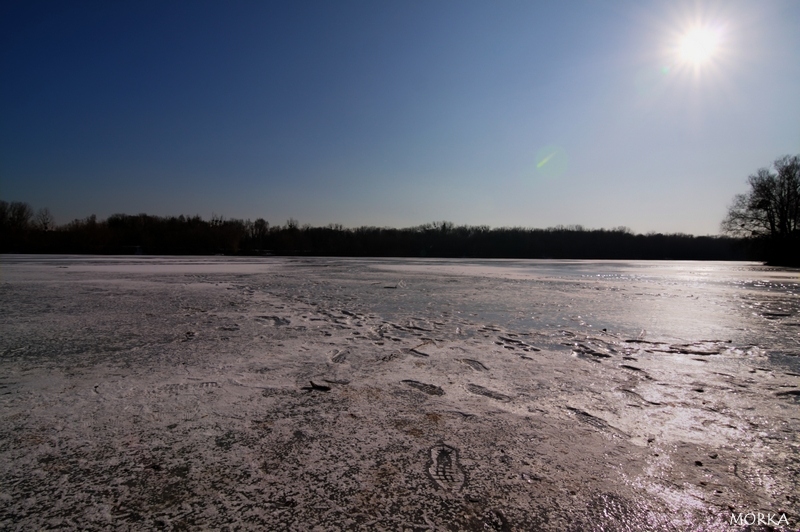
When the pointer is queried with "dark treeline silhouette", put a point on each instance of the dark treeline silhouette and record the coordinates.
(23, 231)
(769, 213)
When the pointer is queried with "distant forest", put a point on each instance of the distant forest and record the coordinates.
(24, 231)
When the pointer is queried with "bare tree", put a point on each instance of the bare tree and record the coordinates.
(19, 215)
(44, 220)
(768, 215)
(260, 230)
(771, 208)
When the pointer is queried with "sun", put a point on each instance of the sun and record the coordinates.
(699, 46)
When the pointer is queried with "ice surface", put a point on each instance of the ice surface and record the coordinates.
(152, 392)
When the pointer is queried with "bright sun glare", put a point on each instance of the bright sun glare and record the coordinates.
(698, 46)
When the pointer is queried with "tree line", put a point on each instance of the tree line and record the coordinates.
(762, 224)
(23, 231)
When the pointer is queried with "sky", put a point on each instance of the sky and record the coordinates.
(397, 113)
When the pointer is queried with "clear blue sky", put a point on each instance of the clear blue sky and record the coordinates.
(396, 113)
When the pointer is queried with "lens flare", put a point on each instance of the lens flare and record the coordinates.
(551, 161)
(544, 161)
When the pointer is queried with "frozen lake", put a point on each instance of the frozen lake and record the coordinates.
(447, 394)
